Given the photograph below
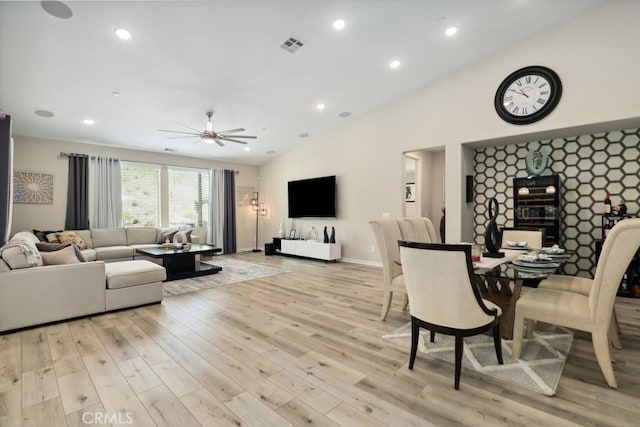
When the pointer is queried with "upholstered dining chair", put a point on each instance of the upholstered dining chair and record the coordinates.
(593, 312)
(443, 298)
(388, 232)
(582, 286)
(534, 238)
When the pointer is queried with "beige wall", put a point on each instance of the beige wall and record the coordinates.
(595, 58)
(40, 155)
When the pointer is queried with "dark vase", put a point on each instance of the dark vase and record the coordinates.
(332, 239)
(326, 236)
(492, 237)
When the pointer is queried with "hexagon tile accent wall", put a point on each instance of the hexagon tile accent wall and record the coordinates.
(588, 165)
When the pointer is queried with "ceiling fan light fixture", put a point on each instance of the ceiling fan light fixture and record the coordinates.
(209, 139)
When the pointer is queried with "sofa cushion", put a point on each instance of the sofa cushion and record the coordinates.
(183, 236)
(111, 252)
(166, 235)
(141, 235)
(66, 255)
(26, 236)
(24, 256)
(72, 237)
(42, 235)
(131, 273)
(109, 237)
(89, 254)
(4, 266)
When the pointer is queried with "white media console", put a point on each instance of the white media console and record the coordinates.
(311, 249)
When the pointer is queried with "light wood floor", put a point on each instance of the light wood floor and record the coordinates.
(301, 348)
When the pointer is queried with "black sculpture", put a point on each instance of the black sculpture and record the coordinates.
(332, 239)
(326, 236)
(492, 236)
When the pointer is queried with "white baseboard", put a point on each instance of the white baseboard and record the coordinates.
(362, 262)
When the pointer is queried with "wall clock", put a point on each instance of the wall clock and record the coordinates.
(528, 95)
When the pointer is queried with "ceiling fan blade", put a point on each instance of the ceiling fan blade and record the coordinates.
(178, 137)
(238, 136)
(231, 131)
(185, 126)
(177, 131)
(219, 143)
(232, 140)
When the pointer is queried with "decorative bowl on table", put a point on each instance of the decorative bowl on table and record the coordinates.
(517, 245)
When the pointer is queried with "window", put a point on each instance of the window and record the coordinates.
(140, 194)
(188, 197)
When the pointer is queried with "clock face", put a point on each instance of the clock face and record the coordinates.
(528, 95)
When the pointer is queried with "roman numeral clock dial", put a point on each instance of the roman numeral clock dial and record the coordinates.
(528, 95)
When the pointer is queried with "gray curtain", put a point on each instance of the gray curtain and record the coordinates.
(105, 193)
(6, 177)
(216, 208)
(229, 229)
(77, 201)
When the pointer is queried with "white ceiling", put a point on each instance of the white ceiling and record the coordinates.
(189, 57)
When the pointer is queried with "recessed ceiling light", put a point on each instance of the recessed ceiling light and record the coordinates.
(394, 64)
(339, 24)
(320, 106)
(88, 122)
(344, 114)
(57, 9)
(451, 31)
(247, 148)
(44, 113)
(303, 135)
(123, 34)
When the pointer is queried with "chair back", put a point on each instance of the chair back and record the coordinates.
(439, 283)
(621, 244)
(423, 229)
(534, 238)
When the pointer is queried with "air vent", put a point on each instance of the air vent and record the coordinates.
(292, 44)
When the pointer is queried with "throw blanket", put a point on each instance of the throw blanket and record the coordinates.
(28, 249)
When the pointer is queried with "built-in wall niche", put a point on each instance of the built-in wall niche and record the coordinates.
(588, 165)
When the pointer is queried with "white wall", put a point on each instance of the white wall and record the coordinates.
(595, 56)
(40, 155)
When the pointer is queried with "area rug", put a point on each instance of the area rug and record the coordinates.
(539, 368)
(233, 271)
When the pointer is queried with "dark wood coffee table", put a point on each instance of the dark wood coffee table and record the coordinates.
(183, 263)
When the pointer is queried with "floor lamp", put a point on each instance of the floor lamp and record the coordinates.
(260, 210)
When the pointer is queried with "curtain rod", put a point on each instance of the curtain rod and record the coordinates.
(63, 154)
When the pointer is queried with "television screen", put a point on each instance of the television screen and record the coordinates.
(313, 198)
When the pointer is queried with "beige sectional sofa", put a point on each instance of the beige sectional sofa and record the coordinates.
(113, 277)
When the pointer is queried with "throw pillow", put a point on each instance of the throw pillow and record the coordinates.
(52, 247)
(63, 256)
(167, 235)
(25, 235)
(52, 237)
(72, 237)
(183, 236)
(42, 235)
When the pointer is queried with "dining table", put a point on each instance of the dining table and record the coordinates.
(500, 280)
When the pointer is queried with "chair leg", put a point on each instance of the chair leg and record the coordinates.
(386, 304)
(497, 343)
(615, 318)
(518, 326)
(432, 336)
(415, 334)
(405, 302)
(602, 351)
(531, 325)
(458, 355)
(614, 331)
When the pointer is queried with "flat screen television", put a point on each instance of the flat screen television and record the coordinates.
(313, 198)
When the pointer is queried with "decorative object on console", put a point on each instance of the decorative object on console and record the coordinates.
(536, 162)
(32, 187)
(292, 234)
(326, 235)
(282, 232)
(492, 238)
(313, 234)
(332, 238)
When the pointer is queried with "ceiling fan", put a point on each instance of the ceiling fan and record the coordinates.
(209, 135)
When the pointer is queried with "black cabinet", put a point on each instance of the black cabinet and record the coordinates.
(536, 203)
(630, 283)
